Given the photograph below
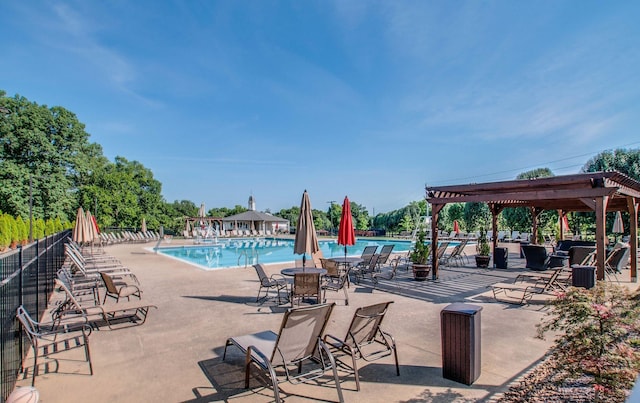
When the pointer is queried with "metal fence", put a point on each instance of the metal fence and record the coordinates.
(27, 277)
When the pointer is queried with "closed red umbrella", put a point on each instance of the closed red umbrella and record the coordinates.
(346, 233)
(456, 227)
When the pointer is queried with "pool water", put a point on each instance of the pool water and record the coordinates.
(244, 252)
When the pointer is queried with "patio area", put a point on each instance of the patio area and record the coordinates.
(176, 356)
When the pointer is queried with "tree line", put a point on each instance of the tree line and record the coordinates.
(47, 158)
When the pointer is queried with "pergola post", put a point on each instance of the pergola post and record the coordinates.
(632, 207)
(495, 211)
(601, 252)
(435, 215)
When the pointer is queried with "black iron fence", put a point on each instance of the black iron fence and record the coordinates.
(27, 277)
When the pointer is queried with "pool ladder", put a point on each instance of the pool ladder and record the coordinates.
(250, 256)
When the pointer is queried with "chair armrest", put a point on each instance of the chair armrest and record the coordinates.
(279, 278)
(337, 343)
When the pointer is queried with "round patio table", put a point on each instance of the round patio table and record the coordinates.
(291, 271)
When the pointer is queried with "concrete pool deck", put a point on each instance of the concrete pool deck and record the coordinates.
(176, 356)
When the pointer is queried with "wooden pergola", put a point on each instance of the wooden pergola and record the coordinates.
(598, 192)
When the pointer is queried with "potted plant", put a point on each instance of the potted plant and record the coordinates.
(483, 250)
(420, 258)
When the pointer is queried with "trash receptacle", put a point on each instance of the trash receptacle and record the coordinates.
(501, 258)
(460, 330)
(583, 276)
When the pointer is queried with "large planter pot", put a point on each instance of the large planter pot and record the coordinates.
(421, 271)
(482, 261)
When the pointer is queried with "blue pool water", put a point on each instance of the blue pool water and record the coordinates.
(240, 252)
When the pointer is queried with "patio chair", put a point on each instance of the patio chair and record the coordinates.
(47, 340)
(335, 280)
(536, 257)
(305, 285)
(365, 339)
(317, 259)
(116, 292)
(275, 282)
(297, 342)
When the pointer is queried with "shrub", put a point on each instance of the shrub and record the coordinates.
(598, 333)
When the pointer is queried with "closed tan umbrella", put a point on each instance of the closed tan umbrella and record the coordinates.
(79, 229)
(618, 226)
(306, 241)
(143, 226)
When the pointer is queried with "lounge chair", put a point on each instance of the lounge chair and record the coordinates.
(367, 255)
(390, 274)
(305, 285)
(298, 341)
(615, 262)
(275, 282)
(383, 257)
(522, 292)
(365, 339)
(359, 272)
(581, 255)
(455, 255)
(113, 315)
(47, 340)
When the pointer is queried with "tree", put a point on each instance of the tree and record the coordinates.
(45, 150)
(5, 231)
(622, 160)
(519, 218)
(127, 191)
(476, 216)
(360, 216)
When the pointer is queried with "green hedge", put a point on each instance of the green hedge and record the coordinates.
(15, 230)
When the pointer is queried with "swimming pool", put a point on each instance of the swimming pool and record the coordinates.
(244, 252)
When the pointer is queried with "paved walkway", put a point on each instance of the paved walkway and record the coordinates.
(177, 355)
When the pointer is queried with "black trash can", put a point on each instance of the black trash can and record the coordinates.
(460, 330)
(500, 258)
(583, 276)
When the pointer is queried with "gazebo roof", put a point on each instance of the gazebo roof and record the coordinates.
(567, 192)
(253, 215)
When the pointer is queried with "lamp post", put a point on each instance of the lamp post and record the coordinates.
(30, 208)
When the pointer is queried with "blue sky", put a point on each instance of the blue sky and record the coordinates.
(223, 99)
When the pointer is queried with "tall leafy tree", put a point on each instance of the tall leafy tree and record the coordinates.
(519, 218)
(623, 160)
(43, 151)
